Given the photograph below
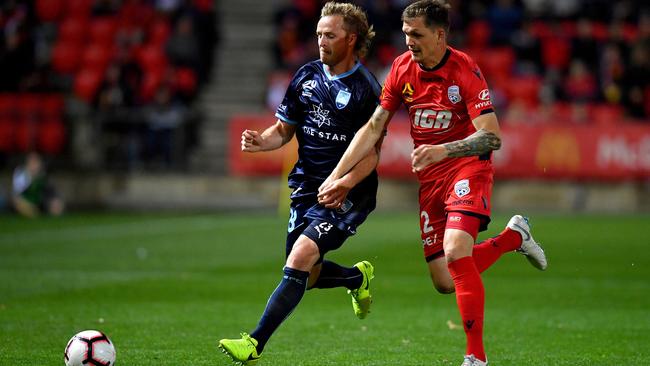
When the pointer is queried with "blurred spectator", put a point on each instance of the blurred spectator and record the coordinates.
(33, 193)
(504, 17)
(580, 85)
(182, 48)
(164, 119)
(636, 82)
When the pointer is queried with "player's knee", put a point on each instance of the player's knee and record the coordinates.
(443, 287)
(304, 255)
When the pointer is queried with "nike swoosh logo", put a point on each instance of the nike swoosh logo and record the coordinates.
(525, 232)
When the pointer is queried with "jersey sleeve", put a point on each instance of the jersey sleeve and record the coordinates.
(476, 93)
(391, 98)
(291, 109)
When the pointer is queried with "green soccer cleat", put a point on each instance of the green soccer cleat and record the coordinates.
(361, 298)
(242, 351)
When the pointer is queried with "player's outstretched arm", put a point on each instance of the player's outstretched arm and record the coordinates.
(485, 139)
(272, 138)
(336, 192)
(362, 143)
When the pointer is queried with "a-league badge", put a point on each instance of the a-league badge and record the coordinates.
(454, 94)
(342, 99)
(462, 187)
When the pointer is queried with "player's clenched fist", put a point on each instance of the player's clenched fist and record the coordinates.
(425, 155)
(251, 141)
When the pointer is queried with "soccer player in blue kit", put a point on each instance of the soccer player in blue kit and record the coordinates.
(327, 101)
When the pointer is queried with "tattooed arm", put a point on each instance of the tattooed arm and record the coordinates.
(485, 139)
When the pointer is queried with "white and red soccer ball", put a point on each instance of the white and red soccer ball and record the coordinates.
(89, 348)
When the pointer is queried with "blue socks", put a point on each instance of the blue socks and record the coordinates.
(333, 275)
(281, 304)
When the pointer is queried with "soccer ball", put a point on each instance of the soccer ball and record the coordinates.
(89, 348)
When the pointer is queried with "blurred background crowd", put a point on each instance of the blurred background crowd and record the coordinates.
(152, 85)
(587, 60)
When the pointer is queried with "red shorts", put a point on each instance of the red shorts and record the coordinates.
(467, 190)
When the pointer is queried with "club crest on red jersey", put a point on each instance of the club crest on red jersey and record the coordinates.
(453, 93)
(407, 92)
(462, 187)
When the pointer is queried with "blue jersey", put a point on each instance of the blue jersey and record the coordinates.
(327, 111)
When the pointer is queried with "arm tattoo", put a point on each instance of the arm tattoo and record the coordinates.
(478, 143)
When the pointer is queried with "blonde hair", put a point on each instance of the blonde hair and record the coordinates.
(354, 21)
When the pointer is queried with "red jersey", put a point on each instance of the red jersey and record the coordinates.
(441, 102)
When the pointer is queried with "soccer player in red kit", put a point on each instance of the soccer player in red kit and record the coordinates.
(454, 129)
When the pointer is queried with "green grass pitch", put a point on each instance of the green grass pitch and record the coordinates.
(166, 287)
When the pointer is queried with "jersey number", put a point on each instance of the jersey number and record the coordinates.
(428, 118)
(425, 226)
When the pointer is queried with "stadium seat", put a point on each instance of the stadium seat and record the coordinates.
(6, 135)
(524, 89)
(24, 135)
(51, 136)
(478, 34)
(496, 62)
(151, 58)
(86, 83)
(52, 105)
(7, 105)
(159, 32)
(556, 52)
(97, 56)
(605, 114)
(29, 106)
(79, 9)
(66, 57)
(185, 81)
(72, 30)
(150, 83)
(102, 30)
(49, 10)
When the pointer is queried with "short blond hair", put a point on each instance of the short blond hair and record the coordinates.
(354, 21)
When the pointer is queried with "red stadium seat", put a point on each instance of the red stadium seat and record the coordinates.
(66, 57)
(79, 8)
(185, 81)
(72, 30)
(53, 105)
(97, 56)
(556, 52)
(605, 114)
(24, 134)
(102, 30)
(599, 31)
(51, 136)
(152, 58)
(8, 105)
(86, 83)
(6, 135)
(159, 32)
(49, 10)
(525, 89)
(29, 106)
(496, 62)
(478, 34)
(149, 85)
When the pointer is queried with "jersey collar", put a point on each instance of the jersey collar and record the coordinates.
(340, 76)
(440, 64)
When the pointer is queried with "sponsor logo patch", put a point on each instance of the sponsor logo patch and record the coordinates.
(484, 94)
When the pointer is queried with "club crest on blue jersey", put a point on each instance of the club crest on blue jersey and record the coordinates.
(342, 99)
(453, 93)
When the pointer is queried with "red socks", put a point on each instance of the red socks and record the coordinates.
(488, 251)
(470, 297)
